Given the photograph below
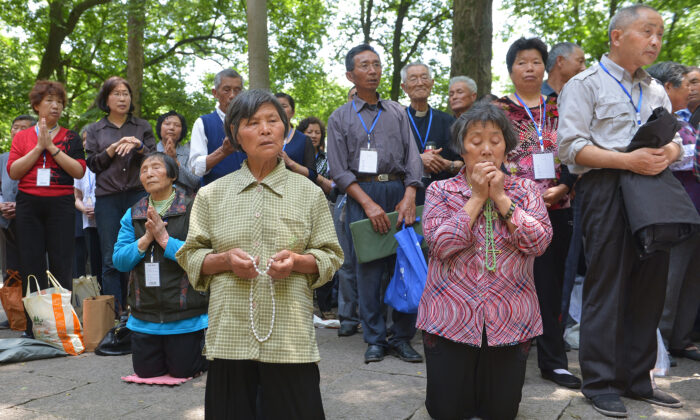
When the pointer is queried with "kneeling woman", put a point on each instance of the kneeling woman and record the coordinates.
(479, 308)
(168, 317)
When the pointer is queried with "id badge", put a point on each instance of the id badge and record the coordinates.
(368, 161)
(543, 164)
(43, 177)
(152, 272)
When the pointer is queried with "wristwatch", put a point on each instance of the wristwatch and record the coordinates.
(452, 167)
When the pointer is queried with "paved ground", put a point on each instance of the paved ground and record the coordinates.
(89, 387)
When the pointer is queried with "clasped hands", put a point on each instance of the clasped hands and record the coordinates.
(123, 146)
(242, 265)
(155, 230)
(45, 139)
(486, 181)
(433, 162)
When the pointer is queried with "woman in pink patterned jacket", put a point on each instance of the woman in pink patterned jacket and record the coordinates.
(479, 310)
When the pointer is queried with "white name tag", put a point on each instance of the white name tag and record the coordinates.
(368, 161)
(43, 177)
(543, 164)
(152, 272)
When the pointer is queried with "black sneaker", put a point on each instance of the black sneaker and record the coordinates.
(659, 397)
(563, 379)
(609, 405)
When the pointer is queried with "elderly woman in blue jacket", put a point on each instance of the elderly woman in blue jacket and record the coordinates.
(168, 317)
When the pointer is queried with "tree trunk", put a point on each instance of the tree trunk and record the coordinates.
(258, 54)
(472, 31)
(59, 29)
(366, 19)
(398, 63)
(134, 63)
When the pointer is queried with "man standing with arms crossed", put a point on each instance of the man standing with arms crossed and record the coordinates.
(600, 110)
(373, 158)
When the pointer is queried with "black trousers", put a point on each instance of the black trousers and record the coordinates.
(45, 227)
(250, 390)
(466, 381)
(623, 296)
(177, 355)
(548, 271)
(11, 251)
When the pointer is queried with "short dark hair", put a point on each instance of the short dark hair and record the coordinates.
(523, 44)
(25, 117)
(171, 168)
(561, 49)
(288, 98)
(107, 87)
(306, 122)
(163, 117)
(44, 88)
(669, 72)
(350, 56)
(483, 113)
(244, 106)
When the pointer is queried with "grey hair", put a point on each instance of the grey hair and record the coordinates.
(226, 73)
(669, 72)
(483, 113)
(471, 84)
(625, 16)
(404, 70)
(172, 171)
(561, 49)
(244, 106)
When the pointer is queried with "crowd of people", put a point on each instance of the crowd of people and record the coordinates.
(216, 248)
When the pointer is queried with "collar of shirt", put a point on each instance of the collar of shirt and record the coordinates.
(360, 103)
(547, 90)
(414, 113)
(104, 122)
(619, 73)
(459, 185)
(221, 113)
(275, 180)
(684, 114)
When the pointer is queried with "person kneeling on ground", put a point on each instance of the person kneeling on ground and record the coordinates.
(168, 317)
(479, 309)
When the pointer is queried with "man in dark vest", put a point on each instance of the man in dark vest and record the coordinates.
(211, 154)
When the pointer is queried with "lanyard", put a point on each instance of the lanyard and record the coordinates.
(374, 123)
(427, 133)
(638, 107)
(539, 128)
(91, 183)
(288, 139)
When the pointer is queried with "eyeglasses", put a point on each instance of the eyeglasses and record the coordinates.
(416, 78)
(120, 94)
(366, 66)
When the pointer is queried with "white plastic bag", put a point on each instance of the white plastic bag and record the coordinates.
(663, 364)
(53, 317)
(84, 287)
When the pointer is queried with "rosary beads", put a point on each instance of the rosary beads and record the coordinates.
(250, 299)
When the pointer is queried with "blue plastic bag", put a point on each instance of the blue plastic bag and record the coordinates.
(406, 286)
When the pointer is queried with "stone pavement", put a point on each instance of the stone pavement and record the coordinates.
(89, 387)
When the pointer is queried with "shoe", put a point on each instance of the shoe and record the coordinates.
(658, 398)
(672, 360)
(689, 353)
(609, 405)
(5, 325)
(563, 379)
(346, 330)
(27, 334)
(374, 353)
(405, 352)
(567, 347)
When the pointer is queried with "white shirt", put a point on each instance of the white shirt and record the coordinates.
(198, 146)
(86, 185)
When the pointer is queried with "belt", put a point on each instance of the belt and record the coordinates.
(380, 178)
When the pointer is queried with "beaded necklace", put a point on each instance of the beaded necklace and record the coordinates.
(250, 299)
(489, 242)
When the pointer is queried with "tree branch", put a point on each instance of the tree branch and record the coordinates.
(78, 10)
(426, 28)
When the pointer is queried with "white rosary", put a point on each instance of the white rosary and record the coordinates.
(250, 298)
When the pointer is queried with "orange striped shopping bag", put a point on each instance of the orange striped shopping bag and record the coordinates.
(53, 317)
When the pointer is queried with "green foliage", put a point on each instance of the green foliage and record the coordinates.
(585, 22)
